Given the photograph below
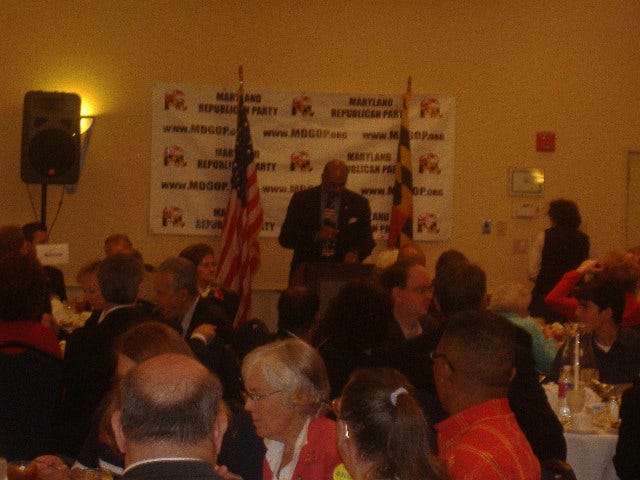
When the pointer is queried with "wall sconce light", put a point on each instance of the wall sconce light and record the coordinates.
(86, 128)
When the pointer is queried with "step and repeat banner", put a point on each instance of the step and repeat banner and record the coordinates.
(294, 134)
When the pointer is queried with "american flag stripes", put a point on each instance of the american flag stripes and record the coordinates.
(240, 254)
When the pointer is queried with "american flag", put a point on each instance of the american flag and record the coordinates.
(240, 254)
(401, 224)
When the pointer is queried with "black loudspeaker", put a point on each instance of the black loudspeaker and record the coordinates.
(50, 138)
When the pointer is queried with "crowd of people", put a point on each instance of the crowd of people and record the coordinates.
(405, 375)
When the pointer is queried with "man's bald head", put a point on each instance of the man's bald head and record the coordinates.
(169, 398)
(334, 176)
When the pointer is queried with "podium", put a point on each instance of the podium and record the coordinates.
(326, 278)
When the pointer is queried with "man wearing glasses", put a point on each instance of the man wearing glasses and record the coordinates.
(473, 365)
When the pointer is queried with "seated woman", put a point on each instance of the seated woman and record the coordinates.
(286, 387)
(512, 302)
(202, 256)
(619, 266)
(382, 432)
(30, 374)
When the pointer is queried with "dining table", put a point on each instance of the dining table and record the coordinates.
(590, 453)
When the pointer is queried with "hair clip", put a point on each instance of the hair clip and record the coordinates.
(394, 395)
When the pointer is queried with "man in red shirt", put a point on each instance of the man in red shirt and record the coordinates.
(473, 365)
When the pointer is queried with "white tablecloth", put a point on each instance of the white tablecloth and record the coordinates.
(591, 455)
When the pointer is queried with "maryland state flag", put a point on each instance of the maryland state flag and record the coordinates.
(401, 225)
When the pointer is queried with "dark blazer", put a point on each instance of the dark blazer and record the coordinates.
(626, 459)
(302, 223)
(171, 470)
(89, 366)
(207, 311)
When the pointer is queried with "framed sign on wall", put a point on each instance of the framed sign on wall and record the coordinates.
(526, 181)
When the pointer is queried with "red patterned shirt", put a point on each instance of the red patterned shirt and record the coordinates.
(484, 442)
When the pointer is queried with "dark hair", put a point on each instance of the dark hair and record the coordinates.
(148, 339)
(358, 316)
(460, 287)
(11, 239)
(389, 429)
(23, 290)
(605, 294)
(481, 346)
(184, 274)
(449, 259)
(250, 335)
(395, 275)
(88, 268)
(180, 409)
(30, 229)
(565, 213)
(297, 309)
(119, 278)
(196, 252)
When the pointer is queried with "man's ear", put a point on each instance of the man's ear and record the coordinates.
(220, 425)
(116, 426)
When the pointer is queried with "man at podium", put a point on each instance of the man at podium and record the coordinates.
(328, 223)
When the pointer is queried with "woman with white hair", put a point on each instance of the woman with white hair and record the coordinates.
(286, 389)
(511, 301)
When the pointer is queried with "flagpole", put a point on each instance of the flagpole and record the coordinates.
(241, 74)
(408, 83)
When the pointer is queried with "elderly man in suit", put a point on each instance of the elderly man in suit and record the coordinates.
(328, 222)
(168, 420)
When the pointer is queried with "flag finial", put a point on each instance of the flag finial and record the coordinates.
(241, 75)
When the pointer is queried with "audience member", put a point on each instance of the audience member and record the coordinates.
(30, 383)
(411, 253)
(202, 256)
(199, 320)
(22, 302)
(286, 386)
(626, 459)
(328, 222)
(512, 302)
(351, 330)
(12, 240)
(139, 343)
(473, 366)
(382, 432)
(619, 267)
(249, 336)
(117, 243)
(298, 310)
(447, 261)
(169, 422)
(410, 336)
(463, 287)
(88, 361)
(93, 300)
(616, 348)
(178, 302)
(558, 249)
(36, 234)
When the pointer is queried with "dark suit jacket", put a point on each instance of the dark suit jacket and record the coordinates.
(302, 223)
(171, 470)
(207, 311)
(627, 460)
(89, 366)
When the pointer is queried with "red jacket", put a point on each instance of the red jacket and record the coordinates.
(319, 457)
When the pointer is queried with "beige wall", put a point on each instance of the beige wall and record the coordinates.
(514, 67)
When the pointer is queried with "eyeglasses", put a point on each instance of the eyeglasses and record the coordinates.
(433, 355)
(255, 396)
